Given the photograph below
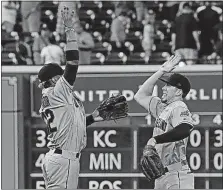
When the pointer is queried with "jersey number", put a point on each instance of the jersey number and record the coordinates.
(48, 117)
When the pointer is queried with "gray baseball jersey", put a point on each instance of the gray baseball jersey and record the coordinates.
(65, 117)
(66, 122)
(173, 154)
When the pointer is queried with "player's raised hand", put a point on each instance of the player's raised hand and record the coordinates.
(69, 17)
(170, 64)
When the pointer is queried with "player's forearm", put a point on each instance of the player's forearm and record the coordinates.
(196, 36)
(72, 53)
(178, 133)
(173, 39)
(72, 58)
(147, 88)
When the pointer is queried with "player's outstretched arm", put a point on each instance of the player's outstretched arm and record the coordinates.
(182, 123)
(144, 94)
(69, 18)
(92, 118)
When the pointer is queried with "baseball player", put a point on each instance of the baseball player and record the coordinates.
(172, 126)
(64, 115)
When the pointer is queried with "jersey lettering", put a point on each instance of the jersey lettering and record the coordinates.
(185, 113)
(161, 124)
(48, 117)
(45, 101)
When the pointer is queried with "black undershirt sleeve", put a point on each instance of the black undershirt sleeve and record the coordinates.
(178, 133)
(70, 73)
(89, 120)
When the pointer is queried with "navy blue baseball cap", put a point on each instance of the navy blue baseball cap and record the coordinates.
(180, 82)
(49, 71)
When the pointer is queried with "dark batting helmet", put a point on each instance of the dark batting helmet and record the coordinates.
(49, 71)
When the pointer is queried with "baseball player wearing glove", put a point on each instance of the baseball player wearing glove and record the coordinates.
(65, 116)
(164, 156)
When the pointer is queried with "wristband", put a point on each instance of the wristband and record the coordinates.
(89, 120)
(72, 55)
(69, 29)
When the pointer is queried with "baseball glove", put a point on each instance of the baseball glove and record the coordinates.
(151, 164)
(114, 107)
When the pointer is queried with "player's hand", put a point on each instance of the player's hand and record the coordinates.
(170, 64)
(152, 142)
(96, 116)
(69, 17)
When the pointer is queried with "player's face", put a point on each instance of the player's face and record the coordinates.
(169, 92)
(55, 79)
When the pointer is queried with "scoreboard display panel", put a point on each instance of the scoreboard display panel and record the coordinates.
(111, 157)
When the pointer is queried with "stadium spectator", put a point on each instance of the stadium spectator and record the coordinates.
(51, 20)
(185, 38)
(118, 35)
(30, 11)
(218, 54)
(52, 53)
(23, 51)
(40, 42)
(172, 7)
(208, 17)
(120, 6)
(9, 13)
(140, 10)
(148, 34)
(73, 5)
(85, 44)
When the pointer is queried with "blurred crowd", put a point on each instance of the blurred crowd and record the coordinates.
(113, 32)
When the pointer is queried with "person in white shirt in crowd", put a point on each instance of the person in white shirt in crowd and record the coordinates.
(40, 41)
(9, 13)
(85, 43)
(52, 53)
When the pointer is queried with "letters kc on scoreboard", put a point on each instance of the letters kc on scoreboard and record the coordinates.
(108, 150)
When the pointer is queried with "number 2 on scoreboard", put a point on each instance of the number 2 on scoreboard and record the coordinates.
(48, 117)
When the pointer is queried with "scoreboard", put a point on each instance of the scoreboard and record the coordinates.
(113, 150)
(111, 157)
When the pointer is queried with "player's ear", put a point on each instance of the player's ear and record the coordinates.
(179, 92)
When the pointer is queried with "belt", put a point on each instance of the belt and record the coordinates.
(59, 151)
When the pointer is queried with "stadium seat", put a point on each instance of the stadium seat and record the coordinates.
(158, 58)
(136, 59)
(6, 38)
(87, 16)
(97, 59)
(7, 58)
(97, 36)
(163, 46)
(49, 5)
(92, 5)
(131, 37)
(101, 26)
(103, 48)
(103, 16)
(10, 47)
(116, 59)
(107, 5)
(136, 26)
